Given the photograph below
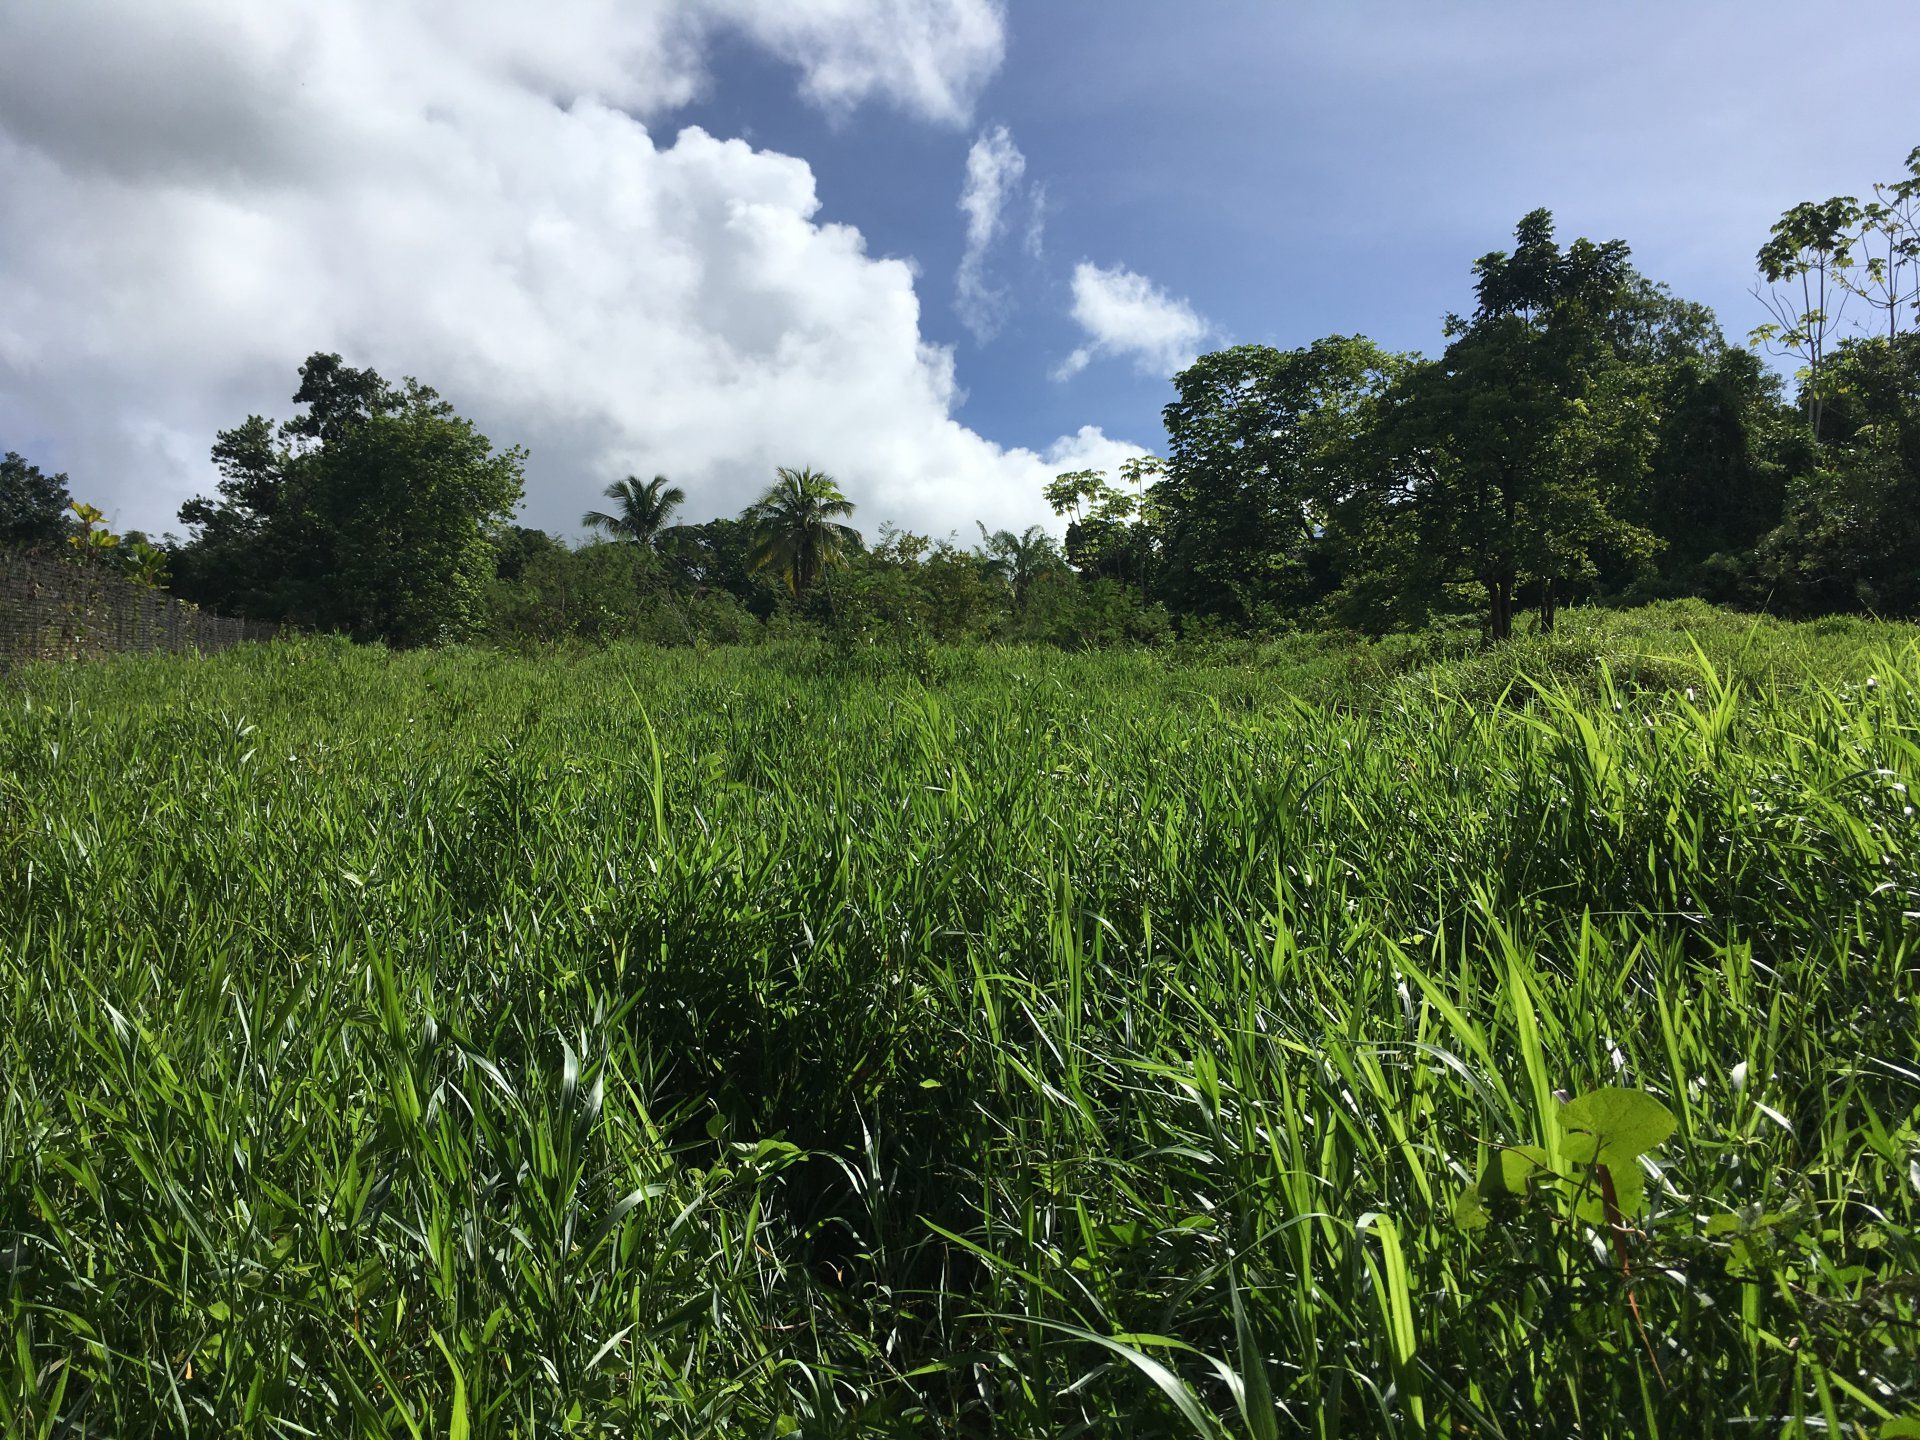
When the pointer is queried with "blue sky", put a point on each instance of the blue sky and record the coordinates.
(1300, 170)
(510, 201)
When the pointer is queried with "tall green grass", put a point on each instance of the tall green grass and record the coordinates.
(784, 1041)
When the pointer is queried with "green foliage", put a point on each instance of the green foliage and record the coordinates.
(1116, 531)
(1806, 258)
(92, 538)
(517, 546)
(907, 591)
(1516, 457)
(1076, 614)
(1851, 537)
(33, 504)
(92, 542)
(374, 513)
(798, 530)
(605, 592)
(143, 563)
(641, 511)
(1021, 1043)
(1822, 254)
(1593, 1160)
(1019, 560)
(717, 556)
(405, 504)
(1261, 450)
(1716, 481)
(1585, 436)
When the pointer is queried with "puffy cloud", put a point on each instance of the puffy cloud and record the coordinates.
(1089, 448)
(1126, 314)
(995, 182)
(470, 192)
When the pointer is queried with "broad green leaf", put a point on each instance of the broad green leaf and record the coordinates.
(1629, 1188)
(1628, 1122)
(1517, 1166)
(1629, 1193)
(1469, 1210)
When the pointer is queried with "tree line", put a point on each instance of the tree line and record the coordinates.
(1585, 435)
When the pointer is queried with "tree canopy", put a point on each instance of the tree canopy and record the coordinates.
(640, 511)
(374, 512)
(33, 504)
(799, 530)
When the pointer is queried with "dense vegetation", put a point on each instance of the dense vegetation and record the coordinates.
(1585, 435)
(966, 1041)
(1306, 1019)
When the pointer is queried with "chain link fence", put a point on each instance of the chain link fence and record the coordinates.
(56, 608)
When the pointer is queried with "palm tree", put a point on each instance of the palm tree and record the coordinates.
(641, 511)
(796, 528)
(1018, 559)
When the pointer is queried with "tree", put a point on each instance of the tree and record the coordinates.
(91, 537)
(1019, 559)
(1807, 259)
(797, 529)
(374, 513)
(1851, 536)
(1114, 530)
(1260, 450)
(1887, 274)
(1725, 445)
(33, 504)
(1517, 454)
(406, 505)
(907, 588)
(641, 511)
(1076, 490)
(132, 554)
(716, 555)
(515, 547)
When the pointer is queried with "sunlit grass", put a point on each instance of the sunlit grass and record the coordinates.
(780, 1041)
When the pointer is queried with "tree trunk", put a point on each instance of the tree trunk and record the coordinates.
(1500, 606)
(1549, 607)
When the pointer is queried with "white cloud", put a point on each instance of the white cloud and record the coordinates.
(930, 55)
(1035, 242)
(995, 182)
(198, 196)
(1089, 448)
(1126, 314)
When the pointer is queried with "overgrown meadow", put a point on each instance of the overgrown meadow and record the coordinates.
(800, 1041)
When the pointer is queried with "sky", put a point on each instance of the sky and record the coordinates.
(941, 249)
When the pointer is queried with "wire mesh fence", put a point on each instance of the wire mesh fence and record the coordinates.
(56, 608)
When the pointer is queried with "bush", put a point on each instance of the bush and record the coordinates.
(605, 592)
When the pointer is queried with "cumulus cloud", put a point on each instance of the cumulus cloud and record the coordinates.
(201, 194)
(1090, 448)
(996, 173)
(1125, 314)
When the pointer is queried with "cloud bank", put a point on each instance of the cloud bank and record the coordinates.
(474, 193)
(1125, 314)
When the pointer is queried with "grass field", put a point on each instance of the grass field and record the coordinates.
(789, 1041)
